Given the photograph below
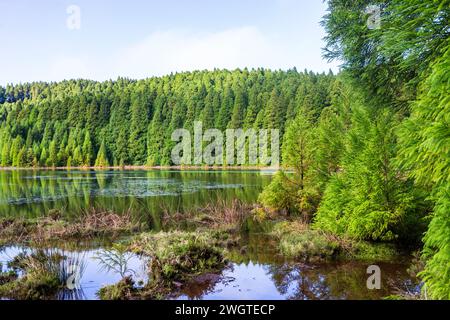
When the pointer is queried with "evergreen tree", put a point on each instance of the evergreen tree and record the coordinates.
(102, 157)
(87, 150)
(425, 140)
(155, 139)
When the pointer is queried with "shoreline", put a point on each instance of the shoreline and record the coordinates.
(206, 167)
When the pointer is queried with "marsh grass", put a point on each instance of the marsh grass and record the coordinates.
(123, 290)
(116, 259)
(298, 240)
(43, 274)
(219, 214)
(89, 224)
(176, 255)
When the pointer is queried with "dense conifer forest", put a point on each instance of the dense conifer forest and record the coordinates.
(125, 122)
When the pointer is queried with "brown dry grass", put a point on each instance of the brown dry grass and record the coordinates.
(90, 224)
(220, 214)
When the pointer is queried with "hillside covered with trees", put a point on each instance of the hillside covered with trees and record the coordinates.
(125, 122)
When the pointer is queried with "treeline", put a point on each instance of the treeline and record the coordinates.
(375, 164)
(126, 122)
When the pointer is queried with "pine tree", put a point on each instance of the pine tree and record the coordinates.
(424, 138)
(369, 199)
(102, 157)
(87, 150)
(138, 132)
(6, 160)
(240, 106)
(225, 109)
(52, 160)
(155, 139)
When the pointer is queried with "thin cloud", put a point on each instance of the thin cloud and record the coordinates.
(178, 50)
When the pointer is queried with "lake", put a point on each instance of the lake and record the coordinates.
(258, 272)
(32, 193)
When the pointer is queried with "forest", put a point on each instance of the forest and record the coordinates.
(365, 153)
(81, 123)
(375, 165)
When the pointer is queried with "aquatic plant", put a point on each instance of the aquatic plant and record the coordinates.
(298, 240)
(42, 274)
(116, 259)
(177, 255)
(220, 214)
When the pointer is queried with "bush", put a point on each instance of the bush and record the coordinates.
(279, 195)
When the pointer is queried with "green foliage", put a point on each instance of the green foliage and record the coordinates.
(404, 64)
(102, 157)
(123, 290)
(387, 62)
(298, 241)
(178, 255)
(66, 123)
(369, 199)
(437, 248)
(425, 138)
(41, 276)
(280, 195)
(312, 148)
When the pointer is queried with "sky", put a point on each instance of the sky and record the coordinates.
(53, 40)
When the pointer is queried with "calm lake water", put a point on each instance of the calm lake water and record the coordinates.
(28, 193)
(257, 272)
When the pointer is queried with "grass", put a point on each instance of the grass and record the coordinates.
(90, 224)
(297, 240)
(178, 255)
(123, 290)
(40, 274)
(32, 276)
(218, 215)
(175, 258)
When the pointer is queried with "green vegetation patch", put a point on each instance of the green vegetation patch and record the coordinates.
(297, 240)
(177, 255)
(175, 258)
(123, 290)
(34, 276)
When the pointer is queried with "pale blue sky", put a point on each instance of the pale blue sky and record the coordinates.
(138, 39)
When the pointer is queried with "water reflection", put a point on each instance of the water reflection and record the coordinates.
(31, 194)
(92, 273)
(245, 278)
(258, 272)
